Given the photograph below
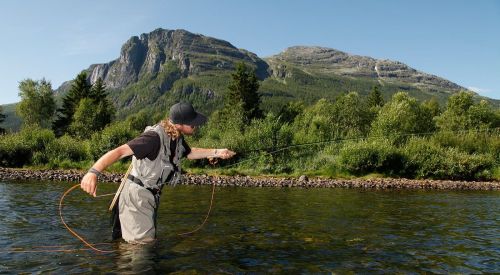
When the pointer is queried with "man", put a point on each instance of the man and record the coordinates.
(156, 161)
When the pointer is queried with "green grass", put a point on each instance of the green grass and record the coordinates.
(496, 173)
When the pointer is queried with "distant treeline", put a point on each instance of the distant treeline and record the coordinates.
(352, 135)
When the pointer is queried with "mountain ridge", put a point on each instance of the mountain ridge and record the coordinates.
(147, 52)
(157, 68)
(342, 63)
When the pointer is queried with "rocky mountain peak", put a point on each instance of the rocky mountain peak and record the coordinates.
(192, 53)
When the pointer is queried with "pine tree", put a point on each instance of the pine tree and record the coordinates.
(79, 89)
(92, 113)
(104, 109)
(98, 91)
(243, 92)
(375, 98)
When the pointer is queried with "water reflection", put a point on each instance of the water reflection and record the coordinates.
(136, 259)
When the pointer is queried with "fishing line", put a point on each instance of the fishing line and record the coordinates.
(60, 247)
(71, 230)
(206, 217)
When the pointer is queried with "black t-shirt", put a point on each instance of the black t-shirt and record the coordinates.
(147, 145)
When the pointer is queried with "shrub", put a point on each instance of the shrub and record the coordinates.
(14, 151)
(319, 160)
(17, 150)
(268, 133)
(224, 129)
(67, 148)
(370, 156)
(429, 160)
(37, 138)
(463, 166)
(470, 141)
(425, 159)
(111, 137)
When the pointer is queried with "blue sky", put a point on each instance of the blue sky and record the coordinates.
(457, 40)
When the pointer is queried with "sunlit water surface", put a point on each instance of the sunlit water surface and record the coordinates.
(260, 230)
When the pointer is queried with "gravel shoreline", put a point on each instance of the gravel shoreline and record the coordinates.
(247, 181)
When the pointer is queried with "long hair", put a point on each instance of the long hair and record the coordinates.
(170, 129)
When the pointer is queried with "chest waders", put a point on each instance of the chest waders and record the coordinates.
(136, 212)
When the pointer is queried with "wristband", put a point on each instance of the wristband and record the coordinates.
(94, 171)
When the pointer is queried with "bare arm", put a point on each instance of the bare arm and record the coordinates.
(201, 153)
(89, 181)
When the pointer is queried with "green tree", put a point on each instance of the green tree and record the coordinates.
(350, 116)
(463, 114)
(79, 89)
(432, 107)
(2, 119)
(105, 111)
(315, 123)
(375, 98)
(91, 115)
(243, 91)
(224, 128)
(374, 102)
(401, 116)
(290, 111)
(37, 106)
(484, 115)
(138, 121)
(83, 123)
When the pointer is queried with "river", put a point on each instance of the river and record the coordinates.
(257, 230)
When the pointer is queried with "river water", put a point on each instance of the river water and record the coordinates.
(257, 230)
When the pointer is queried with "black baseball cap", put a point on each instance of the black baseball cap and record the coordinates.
(184, 113)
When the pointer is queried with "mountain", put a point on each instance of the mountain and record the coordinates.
(191, 53)
(189, 66)
(320, 60)
(158, 68)
(309, 73)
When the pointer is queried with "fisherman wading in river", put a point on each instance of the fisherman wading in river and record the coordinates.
(156, 161)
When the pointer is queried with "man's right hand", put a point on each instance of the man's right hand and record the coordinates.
(89, 183)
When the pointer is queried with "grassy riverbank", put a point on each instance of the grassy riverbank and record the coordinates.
(347, 138)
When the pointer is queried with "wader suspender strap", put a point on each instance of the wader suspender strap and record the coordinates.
(154, 191)
(168, 152)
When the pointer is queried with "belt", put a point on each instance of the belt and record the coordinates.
(154, 191)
